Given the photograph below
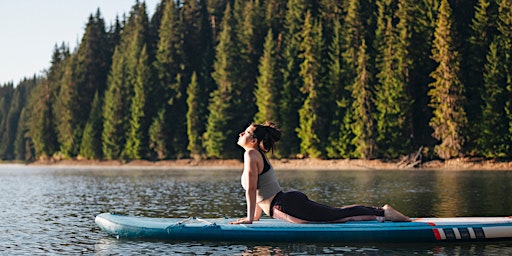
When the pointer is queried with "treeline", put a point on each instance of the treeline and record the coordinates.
(342, 79)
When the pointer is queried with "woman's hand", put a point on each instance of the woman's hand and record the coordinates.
(241, 221)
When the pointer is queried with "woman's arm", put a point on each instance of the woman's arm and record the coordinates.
(251, 174)
(257, 213)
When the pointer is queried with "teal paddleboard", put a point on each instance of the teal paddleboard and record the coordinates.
(273, 230)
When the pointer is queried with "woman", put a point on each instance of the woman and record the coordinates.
(263, 193)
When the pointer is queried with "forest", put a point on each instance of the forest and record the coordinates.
(365, 79)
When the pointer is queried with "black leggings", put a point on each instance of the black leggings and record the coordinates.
(298, 205)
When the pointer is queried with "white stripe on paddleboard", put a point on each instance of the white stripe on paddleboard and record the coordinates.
(441, 233)
(457, 233)
(471, 233)
(497, 232)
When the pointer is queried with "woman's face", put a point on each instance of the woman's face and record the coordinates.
(246, 138)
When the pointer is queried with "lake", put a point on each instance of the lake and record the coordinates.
(49, 210)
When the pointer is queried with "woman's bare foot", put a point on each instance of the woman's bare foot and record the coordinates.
(394, 215)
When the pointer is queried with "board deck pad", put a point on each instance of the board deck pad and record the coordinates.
(273, 230)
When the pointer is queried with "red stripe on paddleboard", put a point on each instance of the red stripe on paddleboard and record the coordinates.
(436, 233)
(431, 223)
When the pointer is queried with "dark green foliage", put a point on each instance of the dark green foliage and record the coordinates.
(356, 78)
(129, 72)
(496, 127)
(90, 147)
(226, 106)
(340, 133)
(291, 97)
(446, 91)
(194, 118)
(392, 100)
(313, 122)
(267, 92)
(483, 31)
(362, 124)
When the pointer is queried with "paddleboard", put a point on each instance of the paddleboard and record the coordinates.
(272, 230)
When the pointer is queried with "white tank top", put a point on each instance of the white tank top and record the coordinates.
(267, 185)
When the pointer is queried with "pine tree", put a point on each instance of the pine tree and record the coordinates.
(90, 147)
(157, 135)
(483, 31)
(193, 118)
(136, 139)
(267, 86)
(223, 123)
(422, 22)
(392, 102)
(292, 99)
(494, 138)
(20, 143)
(313, 126)
(41, 126)
(449, 120)
(41, 112)
(505, 30)
(114, 108)
(362, 123)
(251, 33)
(496, 126)
(6, 101)
(121, 83)
(85, 73)
(351, 36)
(340, 115)
(66, 108)
(171, 66)
(203, 68)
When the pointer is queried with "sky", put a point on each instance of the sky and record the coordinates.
(30, 29)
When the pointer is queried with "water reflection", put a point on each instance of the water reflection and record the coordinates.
(47, 210)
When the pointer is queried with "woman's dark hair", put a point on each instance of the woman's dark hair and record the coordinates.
(267, 135)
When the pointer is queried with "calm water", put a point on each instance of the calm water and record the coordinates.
(51, 210)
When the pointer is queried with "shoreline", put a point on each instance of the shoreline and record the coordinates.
(294, 164)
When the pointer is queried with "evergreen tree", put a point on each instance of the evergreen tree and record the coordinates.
(422, 24)
(352, 35)
(41, 126)
(170, 65)
(90, 147)
(483, 31)
(19, 143)
(291, 99)
(157, 135)
(267, 86)
(494, 139)
(198, 104)
(496, 127)
(6, 97)
(136, 139)
(41, 111)
(193, 118)
(121, 83)
(449, 120)
(251, 30)
(339, 96)
(223, 123)
(114, 108)
(85, 72)
(23, 147)
(392, 101)
(313, 124)
(362, 123)
(66, 109)
(505, 30)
